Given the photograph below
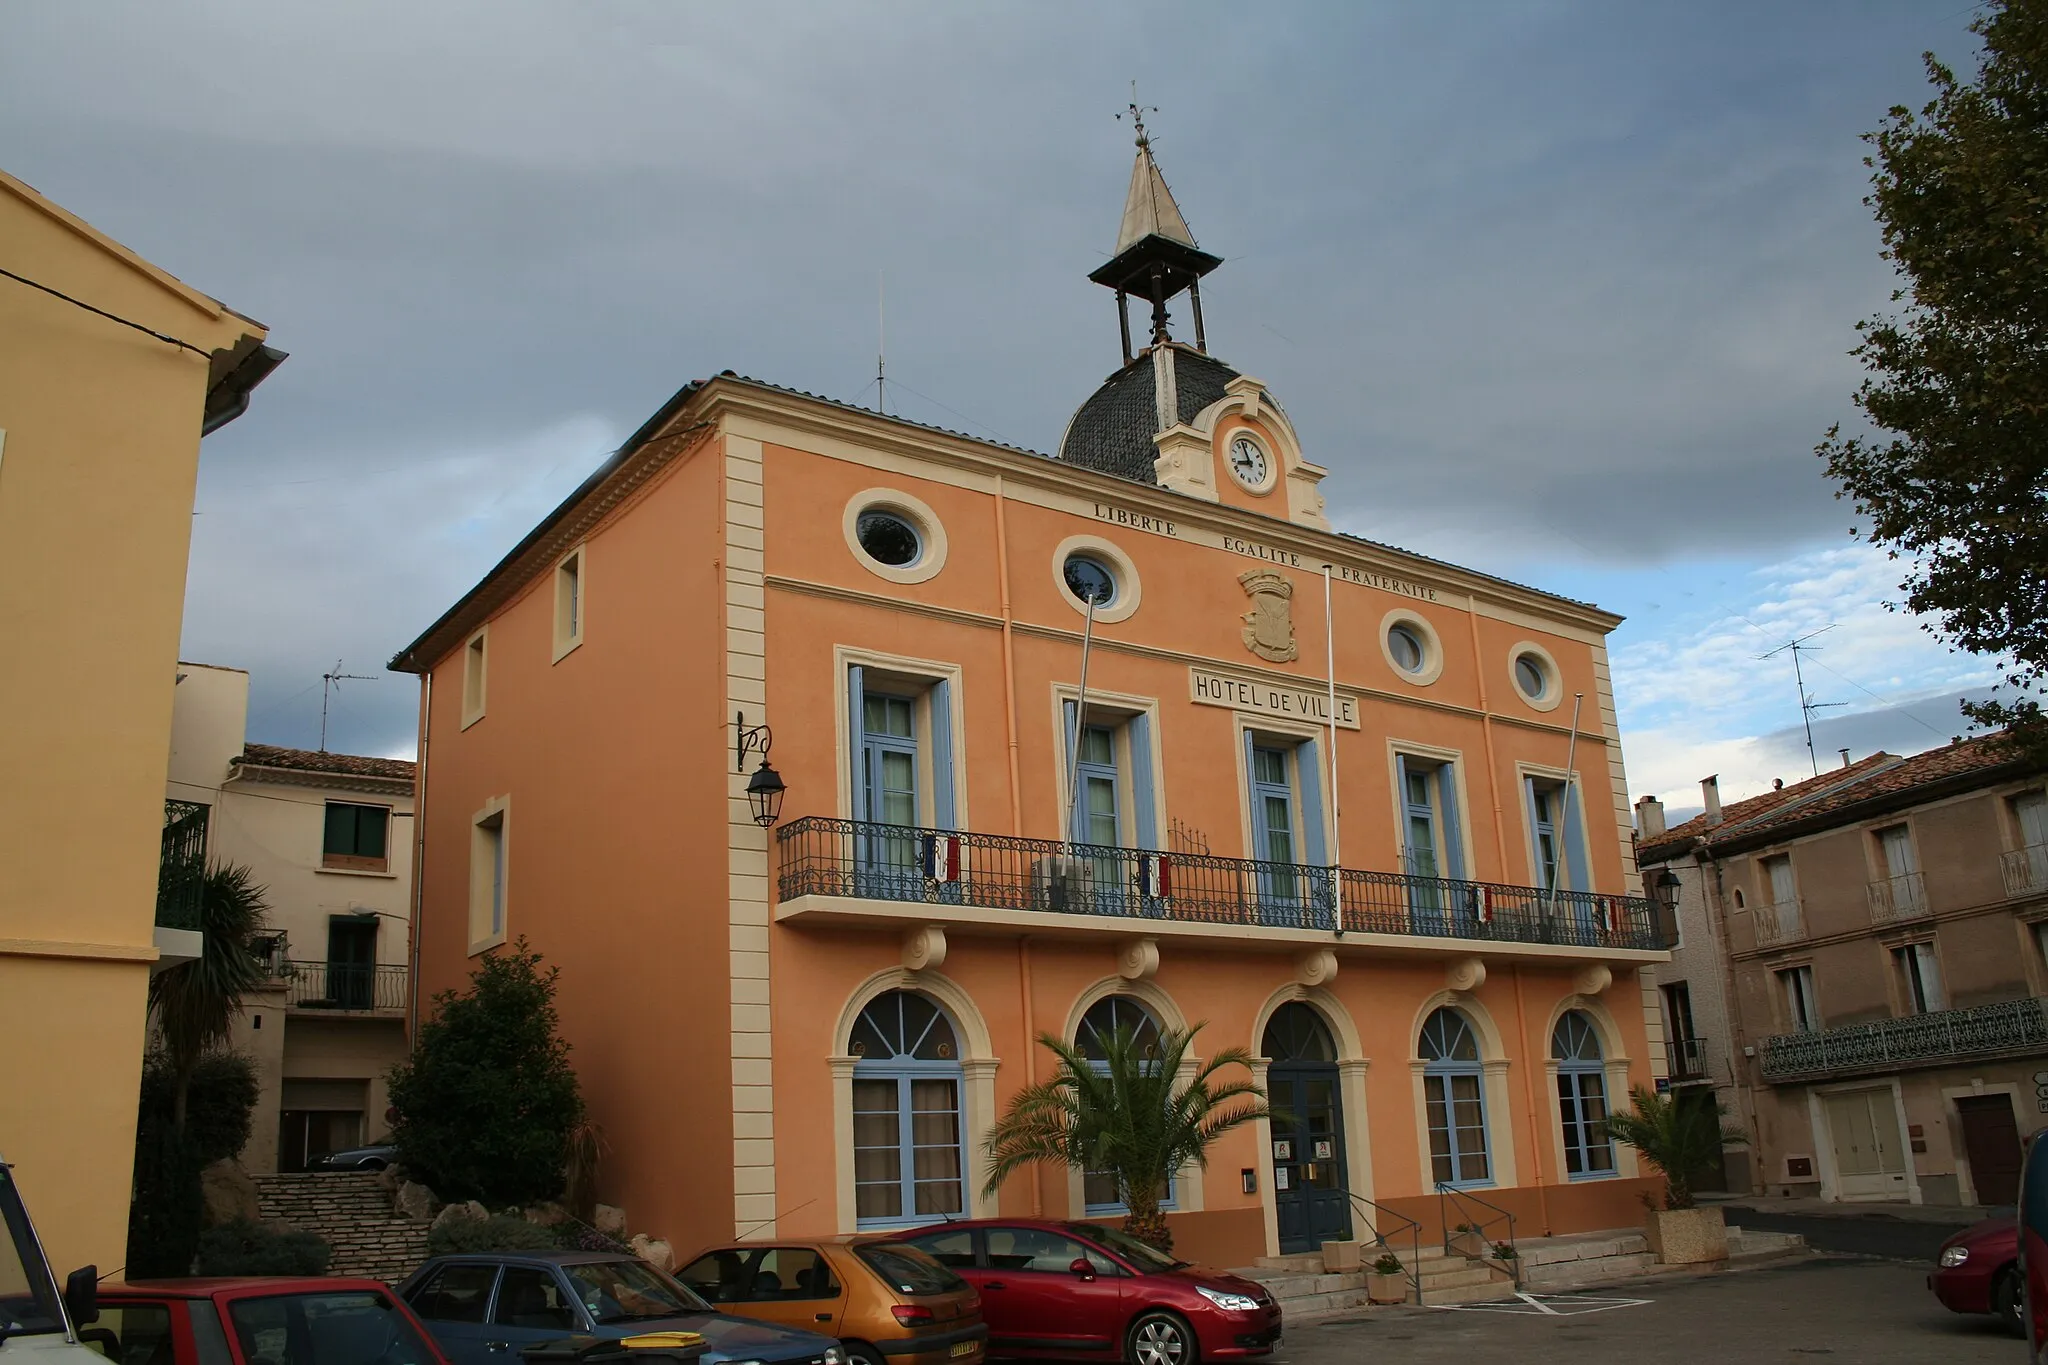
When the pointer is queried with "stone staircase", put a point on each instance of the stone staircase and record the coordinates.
(352, 1210)
(1591, 1258)
(1304, 1290)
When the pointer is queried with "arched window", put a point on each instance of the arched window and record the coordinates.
(1453, 1096)
(1582, 1097)
(909, 1159)
(1296, 1033)
(1102, 1021)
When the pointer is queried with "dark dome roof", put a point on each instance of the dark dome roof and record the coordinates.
(1112, 432)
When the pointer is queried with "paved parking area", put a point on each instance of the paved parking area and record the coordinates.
(1864, 1311)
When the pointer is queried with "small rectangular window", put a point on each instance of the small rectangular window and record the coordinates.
(474, 663)
(355, 837)
(1920, 978)
(487, 878)
(1782, 898)
(1801, 1012)
(569, 602)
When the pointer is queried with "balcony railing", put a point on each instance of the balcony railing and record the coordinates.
(181, 868)
(2025, 870)
(345, 986)
(1688, 1059)
(1897, 898)
(1780, 923)
(2011, 1026)
(853, 858)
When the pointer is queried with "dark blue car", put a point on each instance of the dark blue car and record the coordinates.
(484, 1307)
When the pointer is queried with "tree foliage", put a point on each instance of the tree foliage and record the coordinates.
(193, 1005)
(1681, 1135)
(1954, 478)
(488, 1099)
(164, 1219)
(244, 1248)
(499, 1232)
(1128, 1114)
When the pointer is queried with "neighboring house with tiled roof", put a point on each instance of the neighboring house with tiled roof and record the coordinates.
(329, 838)
(1861, 969)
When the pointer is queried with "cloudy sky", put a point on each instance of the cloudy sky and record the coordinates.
(1562, 291)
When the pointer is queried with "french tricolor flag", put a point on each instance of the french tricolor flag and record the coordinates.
(1155, 876)
(1486, 905)
(942, 857)
(1617, 913)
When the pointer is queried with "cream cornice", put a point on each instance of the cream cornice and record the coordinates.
(1364, 691)
(329, 781)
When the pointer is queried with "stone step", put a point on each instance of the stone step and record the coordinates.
(351, 1210)
(1472, 1293)
(1592, 1270)
(1299, 1263)
(1458, 1279)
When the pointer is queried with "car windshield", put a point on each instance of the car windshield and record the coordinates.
(1146, 1258)
(630, 1291)
(339, 1327)
(908, 1270)
(28, 1297)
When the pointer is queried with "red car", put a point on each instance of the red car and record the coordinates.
(1082, 1291)
(250, 1321)
(1977, 1271)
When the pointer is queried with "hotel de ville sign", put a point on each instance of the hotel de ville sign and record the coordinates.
(1215, 687)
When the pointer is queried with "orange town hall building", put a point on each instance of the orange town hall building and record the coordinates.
(1413, 906)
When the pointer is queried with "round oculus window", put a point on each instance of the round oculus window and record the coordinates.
(888, 538)
(1089, 579)
(1406, 646)
(1531, 676)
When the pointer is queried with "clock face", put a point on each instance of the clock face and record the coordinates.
(1248, 462)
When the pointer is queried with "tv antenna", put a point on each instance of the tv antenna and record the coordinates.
(331, 682)
(881, 343)
(1807, 705)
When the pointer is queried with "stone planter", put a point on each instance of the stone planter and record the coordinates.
(1386, 1288)
(1471, 1245)
(1342, 1258)
(1687, 1236)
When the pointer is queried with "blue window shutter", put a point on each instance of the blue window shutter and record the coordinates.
(1446, 780)
(856, 730)
(944, 813)
(1309, 778)
(1139, 729)
(1070, 743)
(1251, 778)
(1529, 816)
(1574, 836)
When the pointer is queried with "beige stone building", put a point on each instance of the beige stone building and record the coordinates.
(111, 370)
(1862, 972)
(329, 837)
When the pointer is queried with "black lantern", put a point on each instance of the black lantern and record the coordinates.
(765, 787)
(1667, 890)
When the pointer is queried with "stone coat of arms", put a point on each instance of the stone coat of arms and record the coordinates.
(1269, 625)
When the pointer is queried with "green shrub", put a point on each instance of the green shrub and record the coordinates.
(245, 1248)
(499, 1232)
(219, 1105)
(487, 1101)
(164, 1220)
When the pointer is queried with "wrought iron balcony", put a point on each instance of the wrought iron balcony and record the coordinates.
(1784, 922)
(345, 986)
(1897, 898)
(1688, 1059)
(181, 868)
(2025, 870)
(2011, 1026)
(871, 861)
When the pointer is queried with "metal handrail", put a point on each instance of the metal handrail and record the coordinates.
(821, 856)
(1460, 1198)
(2006, 1026)
(1413, 1271)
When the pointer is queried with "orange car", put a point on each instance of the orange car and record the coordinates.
(888, 1303)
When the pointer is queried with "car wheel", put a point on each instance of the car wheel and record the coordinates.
(1160, 1338)
(860, 1353)
(375, 1163)
(2005, 1299)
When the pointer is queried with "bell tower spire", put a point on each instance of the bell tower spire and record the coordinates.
(1156, 255)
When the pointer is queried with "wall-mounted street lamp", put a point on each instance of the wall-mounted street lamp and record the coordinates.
(765, 787)
(1667, 890)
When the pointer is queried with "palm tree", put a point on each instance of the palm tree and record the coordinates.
(195, 1003)
(1127, 1114)
(1679, 1135)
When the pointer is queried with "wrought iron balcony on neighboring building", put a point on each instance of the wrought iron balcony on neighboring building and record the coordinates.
(1784, 922)
(2009, 1027)
(1688, 1060)
(181, 868)
(861, 859)
(1897, 898)
(345, 986)
(2025, 870)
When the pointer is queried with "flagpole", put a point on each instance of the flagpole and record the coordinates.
(1336, 801)
(1080, 718)
(1571, 749)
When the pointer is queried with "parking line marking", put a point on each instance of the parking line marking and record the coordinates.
(1544, 1305)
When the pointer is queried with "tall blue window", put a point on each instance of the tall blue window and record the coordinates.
(1453, 1096)
(909, 1158)
(1287, 832)
(1582, 1097)
(1431, 848)
(902, 739)
(1101, 1023)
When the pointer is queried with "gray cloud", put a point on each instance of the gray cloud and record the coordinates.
(1539, 272)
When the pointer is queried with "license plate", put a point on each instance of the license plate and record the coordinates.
(965, 1348)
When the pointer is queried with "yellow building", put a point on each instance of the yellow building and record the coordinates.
(110, 372)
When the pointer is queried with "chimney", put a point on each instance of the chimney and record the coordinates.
(1845, 758)
(1650, 818)
(1710, 794)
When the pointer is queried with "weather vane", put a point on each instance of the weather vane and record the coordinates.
(1138, 116)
